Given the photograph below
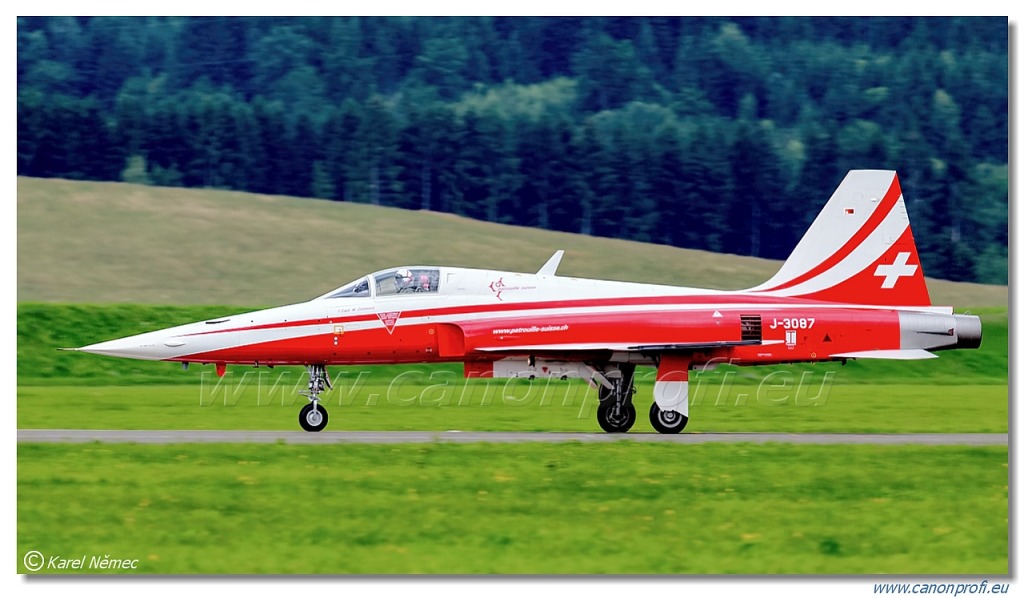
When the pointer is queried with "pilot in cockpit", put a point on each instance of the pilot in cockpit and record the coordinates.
(403, 280)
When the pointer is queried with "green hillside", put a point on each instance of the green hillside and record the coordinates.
(88, 242)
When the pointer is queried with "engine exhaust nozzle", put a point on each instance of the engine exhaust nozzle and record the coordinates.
(968, 331)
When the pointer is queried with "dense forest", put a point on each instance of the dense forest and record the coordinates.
(726, 134)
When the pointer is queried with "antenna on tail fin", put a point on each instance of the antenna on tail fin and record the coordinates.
(549, 267)
(859, 249)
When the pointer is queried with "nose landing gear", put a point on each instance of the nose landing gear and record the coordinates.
(313, 417)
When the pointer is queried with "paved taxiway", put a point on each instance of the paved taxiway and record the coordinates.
(298, 437)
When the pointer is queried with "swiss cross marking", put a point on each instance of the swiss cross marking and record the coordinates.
(896, 270)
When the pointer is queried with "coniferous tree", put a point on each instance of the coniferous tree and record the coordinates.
(622, 127)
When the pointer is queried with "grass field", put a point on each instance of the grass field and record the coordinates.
(569, 508)
(115, 243)
(561, 407)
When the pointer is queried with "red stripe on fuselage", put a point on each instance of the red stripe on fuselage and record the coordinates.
(879, 215)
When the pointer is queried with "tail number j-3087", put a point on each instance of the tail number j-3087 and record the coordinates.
(792, 323)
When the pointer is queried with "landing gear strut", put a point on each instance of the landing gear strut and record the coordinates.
(671, 409)
(313, 417)
(615, 412)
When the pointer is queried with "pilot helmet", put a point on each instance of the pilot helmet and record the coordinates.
(403, 277)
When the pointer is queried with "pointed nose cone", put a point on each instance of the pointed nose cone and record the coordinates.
(116, 348)
(153, 345)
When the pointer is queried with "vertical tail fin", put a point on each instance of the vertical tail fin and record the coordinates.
(859, 249)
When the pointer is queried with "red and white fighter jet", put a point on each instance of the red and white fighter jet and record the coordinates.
(852, 288)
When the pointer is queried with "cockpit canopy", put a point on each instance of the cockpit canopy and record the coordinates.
(395, 281)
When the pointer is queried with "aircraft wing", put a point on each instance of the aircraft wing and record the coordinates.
(699, 346)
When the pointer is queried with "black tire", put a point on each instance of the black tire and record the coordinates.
(616, 421)
(667, 422)
(309, 422)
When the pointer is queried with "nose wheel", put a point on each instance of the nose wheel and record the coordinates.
(313, 417)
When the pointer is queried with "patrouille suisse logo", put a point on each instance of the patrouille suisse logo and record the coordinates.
(389, 318)
(498, 286)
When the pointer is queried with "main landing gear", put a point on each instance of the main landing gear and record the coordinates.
(313, 417)
(666, 421)
(616, 413)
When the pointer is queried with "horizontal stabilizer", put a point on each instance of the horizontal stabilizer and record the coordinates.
(898, 354)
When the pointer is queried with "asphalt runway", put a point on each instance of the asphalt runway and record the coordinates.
(455, 436)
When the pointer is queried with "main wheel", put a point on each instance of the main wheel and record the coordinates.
(313, 421)
(616, 419)
(667, 422)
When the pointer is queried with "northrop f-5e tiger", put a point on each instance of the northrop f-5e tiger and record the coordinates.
(853, 288)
